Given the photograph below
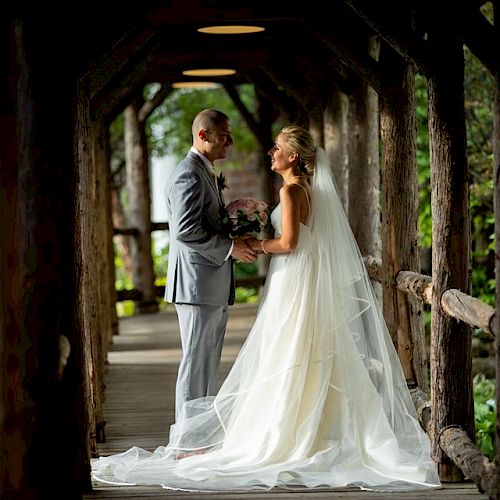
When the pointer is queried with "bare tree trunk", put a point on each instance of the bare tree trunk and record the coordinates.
(451, 358)
(139, 207)
(400, 215)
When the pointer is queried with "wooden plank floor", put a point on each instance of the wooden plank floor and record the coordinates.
(138, 409)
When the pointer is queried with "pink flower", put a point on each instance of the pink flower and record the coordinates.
(246, 216)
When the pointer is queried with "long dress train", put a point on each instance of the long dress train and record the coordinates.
(316, 396)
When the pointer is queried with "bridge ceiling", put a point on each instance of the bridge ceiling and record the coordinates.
(304, 43)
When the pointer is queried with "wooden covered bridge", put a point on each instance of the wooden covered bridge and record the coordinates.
(68, 72)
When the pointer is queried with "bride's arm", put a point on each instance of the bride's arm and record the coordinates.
(290, 198)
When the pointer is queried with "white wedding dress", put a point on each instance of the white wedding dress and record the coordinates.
(316, 397)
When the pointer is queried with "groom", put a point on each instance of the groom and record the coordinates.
(200, 271)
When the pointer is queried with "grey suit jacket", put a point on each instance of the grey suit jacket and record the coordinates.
(197, 270)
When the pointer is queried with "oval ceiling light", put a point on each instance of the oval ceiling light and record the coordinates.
(197, 85)
(231, 30)
(209, 72)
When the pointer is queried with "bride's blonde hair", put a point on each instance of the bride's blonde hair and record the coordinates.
(299, 139)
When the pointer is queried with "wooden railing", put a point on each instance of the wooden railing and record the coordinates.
(136, 295)
(455, 303)
(453, 440)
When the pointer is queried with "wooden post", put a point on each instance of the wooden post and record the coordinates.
(336, 139)
(139, 206)
(42, 402)
(364, 165)
(107, 321)
(451, 358)
(400, 214)
(496, 197)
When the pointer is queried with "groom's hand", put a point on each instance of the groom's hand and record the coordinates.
(242, 251)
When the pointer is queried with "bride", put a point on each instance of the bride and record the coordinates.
(316, 397)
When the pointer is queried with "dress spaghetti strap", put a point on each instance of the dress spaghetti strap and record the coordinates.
(307, 196)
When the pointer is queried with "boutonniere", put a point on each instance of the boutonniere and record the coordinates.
(221, 182)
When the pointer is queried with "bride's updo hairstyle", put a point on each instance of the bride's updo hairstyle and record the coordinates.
(299, 139)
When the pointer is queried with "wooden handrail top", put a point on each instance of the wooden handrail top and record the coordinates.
(455, 303)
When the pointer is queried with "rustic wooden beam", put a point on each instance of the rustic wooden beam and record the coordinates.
(468, 309)
(477, 33)
(151, 104)
(396, 32)
(250, 120)
(159, 226)
(133, 231)
(359, 63)
(284, 78)
(286, 104)
(374, 267)
(132, 45)
(458, 446)
(136, 295)
(126, 231)
(422, 406)
(418, 284)
(455, 303)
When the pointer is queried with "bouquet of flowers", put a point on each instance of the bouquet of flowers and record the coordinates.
(246, 216)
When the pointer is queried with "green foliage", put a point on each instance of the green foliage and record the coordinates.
(246, 270)
(485, 414)
(170, 123)
(423, 163)
(122, 278)
(248, 295)
(160, 261)
(125, 308)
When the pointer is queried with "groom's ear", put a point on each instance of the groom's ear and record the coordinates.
(203, 135)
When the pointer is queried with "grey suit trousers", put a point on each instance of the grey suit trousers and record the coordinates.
(202, 329)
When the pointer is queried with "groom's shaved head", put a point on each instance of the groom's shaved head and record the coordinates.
(208, 119)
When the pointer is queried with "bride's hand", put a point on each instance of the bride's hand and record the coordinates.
(254, 244)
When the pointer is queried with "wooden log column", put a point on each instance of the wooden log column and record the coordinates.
(495, 494)
(106, 323)
(42, 400)
(139, 206)
(364, 170)
(451, 358)
(336, 139)
(400, 250)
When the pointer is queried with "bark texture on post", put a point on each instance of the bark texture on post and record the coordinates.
(364, 167)
(451, 358)
(336, 139)
(87, 240)
(400, 250)
(107, 321)
(495, 494)
(139, 207)
(364, 171)
(42, 401)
